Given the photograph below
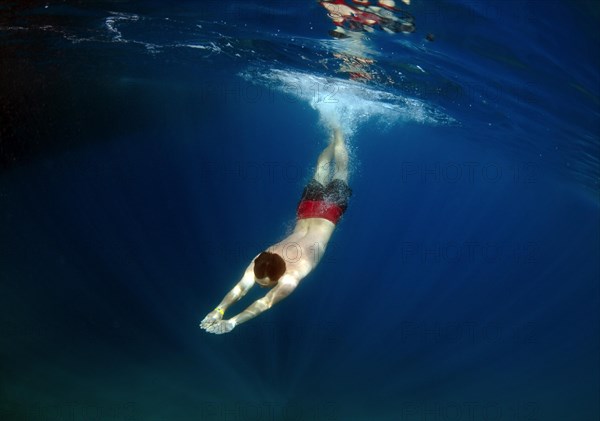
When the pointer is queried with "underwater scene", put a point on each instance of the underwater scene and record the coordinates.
(340, 210)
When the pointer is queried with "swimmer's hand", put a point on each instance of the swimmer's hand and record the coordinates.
(222, 326)
(211, 318)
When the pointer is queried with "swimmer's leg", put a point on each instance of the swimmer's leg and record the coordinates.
(324, 165)
(340, 156)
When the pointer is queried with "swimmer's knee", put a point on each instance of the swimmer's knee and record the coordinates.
(340, 152)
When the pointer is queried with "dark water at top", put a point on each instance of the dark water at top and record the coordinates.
(149, 150)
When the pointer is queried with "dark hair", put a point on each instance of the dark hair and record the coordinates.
(269, 265)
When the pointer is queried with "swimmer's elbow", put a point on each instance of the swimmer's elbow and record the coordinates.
(287, 288)
(288, 283)
(284, 288)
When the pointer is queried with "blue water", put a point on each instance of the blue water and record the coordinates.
(149, 150)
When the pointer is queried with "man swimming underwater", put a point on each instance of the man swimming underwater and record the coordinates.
(283, 265)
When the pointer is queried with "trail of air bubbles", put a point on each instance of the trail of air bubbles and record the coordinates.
(347, 104)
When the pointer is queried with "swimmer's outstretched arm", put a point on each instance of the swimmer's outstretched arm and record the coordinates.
(236, 293)
(284, 287)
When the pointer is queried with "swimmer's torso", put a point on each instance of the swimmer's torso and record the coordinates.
(304, 248)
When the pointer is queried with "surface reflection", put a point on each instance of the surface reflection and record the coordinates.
(353, 21)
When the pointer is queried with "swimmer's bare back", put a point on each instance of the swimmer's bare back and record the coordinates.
(283, 265)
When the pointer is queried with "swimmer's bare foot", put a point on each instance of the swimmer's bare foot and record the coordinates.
(222, 326)
(210, 319)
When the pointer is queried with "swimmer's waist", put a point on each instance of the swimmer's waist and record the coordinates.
(319, 209)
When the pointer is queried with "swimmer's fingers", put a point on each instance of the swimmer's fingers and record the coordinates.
(223, 326)
(206, 323)
(210, 319)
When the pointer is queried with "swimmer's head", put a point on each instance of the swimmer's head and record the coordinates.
(268, 268)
